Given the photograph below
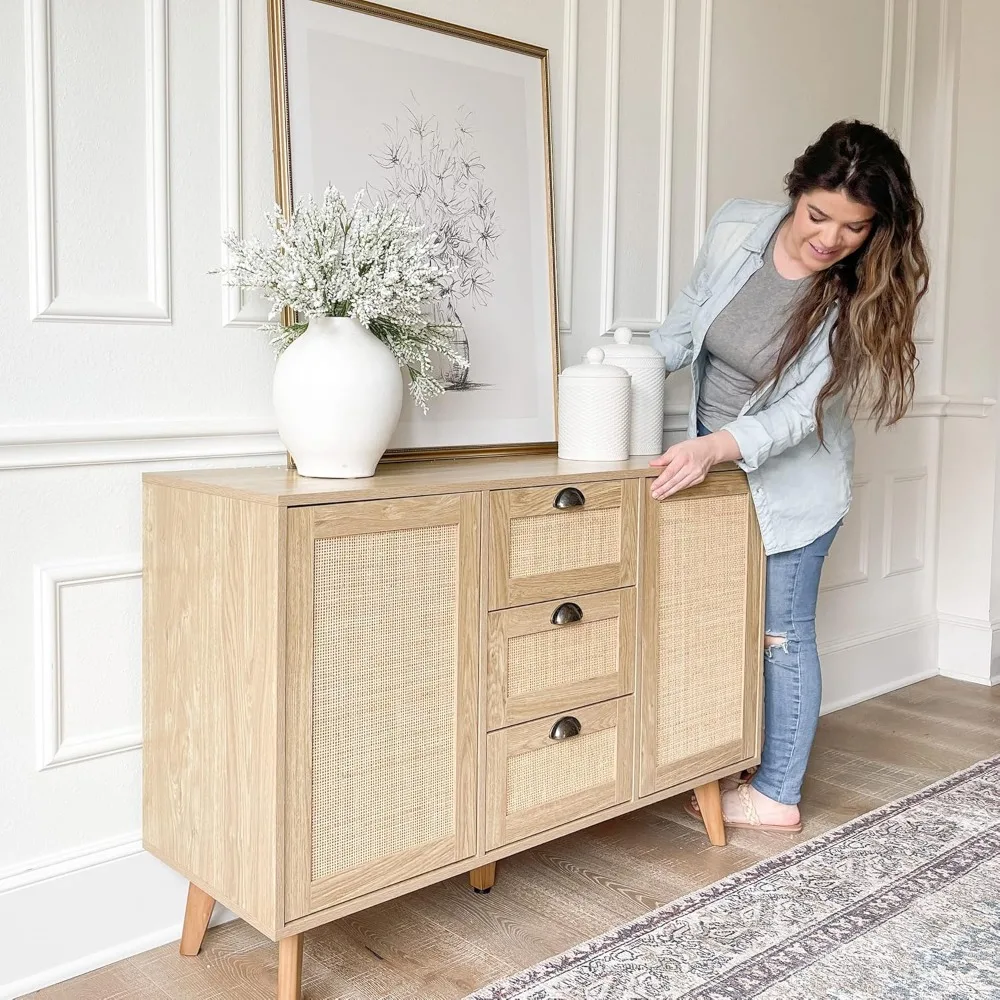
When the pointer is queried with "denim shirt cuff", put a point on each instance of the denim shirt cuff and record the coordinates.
(753, 440)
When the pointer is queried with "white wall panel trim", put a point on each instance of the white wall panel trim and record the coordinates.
(702, 121)
(860, 508)
(231, 91)
(888, 38)
(54, 749)
(45, 303)
(59, 446)
(864, 638)
(667, 76)
(946, 95)
(66, 862)
(567, 199)
(909, 75)
(890, 565)
(612, 91)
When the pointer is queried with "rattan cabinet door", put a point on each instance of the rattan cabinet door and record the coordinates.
(701, 634)
(549, 541)
(381, 704)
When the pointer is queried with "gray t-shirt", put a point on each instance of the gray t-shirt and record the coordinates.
(743, 341)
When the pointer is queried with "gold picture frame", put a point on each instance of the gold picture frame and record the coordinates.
(284, 192)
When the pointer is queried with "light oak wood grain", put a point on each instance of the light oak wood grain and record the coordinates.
(569, 642)
(710, 803)
(212, 667)
(575, 527)
(504, 824)
(281, 486)
(197, 914)
(296, 534)
(304, 893)
(290, 968)
(661, 670)
(483, 879)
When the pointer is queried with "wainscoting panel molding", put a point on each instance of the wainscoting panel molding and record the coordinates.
(54, 748)
(46, 302)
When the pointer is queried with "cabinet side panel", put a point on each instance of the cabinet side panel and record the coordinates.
(211, 624)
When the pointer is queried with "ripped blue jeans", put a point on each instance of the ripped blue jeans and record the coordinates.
(793, 683)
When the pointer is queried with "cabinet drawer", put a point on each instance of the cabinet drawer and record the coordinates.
(545, 658)
(548, 541)
(536, 781)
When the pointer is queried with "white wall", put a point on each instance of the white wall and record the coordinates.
(969, 574)
(138, 129)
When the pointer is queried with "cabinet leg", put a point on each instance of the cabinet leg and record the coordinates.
(290, 968)
(197, 913)
(710, 803)
(482, 879)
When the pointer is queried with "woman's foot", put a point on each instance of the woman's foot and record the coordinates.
(729, 784)
(746, 807)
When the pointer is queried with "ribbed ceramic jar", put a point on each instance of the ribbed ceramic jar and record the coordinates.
(646, 366)
(594, 401)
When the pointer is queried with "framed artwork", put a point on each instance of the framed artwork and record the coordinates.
(453, 125)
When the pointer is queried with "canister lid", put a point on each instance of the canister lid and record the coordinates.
(594, 367)
(623, 349)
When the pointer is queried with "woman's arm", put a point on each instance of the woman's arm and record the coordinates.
(689, 462)
(749, 441)
(782, 424)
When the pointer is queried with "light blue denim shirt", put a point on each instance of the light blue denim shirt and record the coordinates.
(800, 488)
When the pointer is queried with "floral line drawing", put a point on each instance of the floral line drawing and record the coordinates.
(440, 181)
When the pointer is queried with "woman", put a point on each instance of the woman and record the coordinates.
(795, 316)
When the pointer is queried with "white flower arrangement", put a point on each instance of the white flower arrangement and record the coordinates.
(370, 261)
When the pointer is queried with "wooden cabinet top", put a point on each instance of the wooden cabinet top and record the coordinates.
(283, 487)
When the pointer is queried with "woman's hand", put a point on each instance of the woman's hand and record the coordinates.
(686, 464)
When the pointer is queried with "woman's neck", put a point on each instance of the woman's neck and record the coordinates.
(787, 261)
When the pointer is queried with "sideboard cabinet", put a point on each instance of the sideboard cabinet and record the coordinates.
(353, 689)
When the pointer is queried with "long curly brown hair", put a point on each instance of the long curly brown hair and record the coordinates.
(877, 288)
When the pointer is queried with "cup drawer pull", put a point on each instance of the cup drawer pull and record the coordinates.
(566, 614)
(565, 728)
(569, 497)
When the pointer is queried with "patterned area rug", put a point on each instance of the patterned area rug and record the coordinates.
(901, 903)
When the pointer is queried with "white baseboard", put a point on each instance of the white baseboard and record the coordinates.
(862, 667)
(968, 649)
(76, 913)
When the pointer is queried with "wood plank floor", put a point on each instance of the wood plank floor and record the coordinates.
(444, 941)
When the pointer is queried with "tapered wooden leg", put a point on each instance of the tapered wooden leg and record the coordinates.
(290, 968)
(482, 879)
(197, 913)
(710, 803)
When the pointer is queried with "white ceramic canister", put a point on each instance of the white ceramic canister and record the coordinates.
(647, 367)
(594, 401)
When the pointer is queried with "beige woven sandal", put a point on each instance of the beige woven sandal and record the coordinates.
(728, 784)
(752, 820)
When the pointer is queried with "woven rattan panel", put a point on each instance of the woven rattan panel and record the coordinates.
(553, 543)
(547, 659)
(702, 623)
(384, 678)
(563, 768)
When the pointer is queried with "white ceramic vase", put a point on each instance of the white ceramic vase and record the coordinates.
(338, 392)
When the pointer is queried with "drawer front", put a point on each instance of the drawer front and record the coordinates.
(545, 658)
(536, 782)
(549, 541)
